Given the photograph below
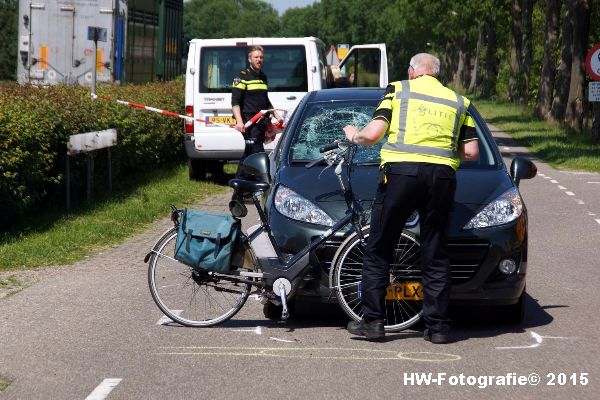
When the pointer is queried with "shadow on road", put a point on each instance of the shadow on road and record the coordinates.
(468, 321)
(482, 322)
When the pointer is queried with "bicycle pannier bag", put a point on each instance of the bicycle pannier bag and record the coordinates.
(205, 240)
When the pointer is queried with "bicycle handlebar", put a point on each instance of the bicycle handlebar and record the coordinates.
(331, 146)
(339, 143)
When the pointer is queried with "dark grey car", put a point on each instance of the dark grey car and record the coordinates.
(488, 232)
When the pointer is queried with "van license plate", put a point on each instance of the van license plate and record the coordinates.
(404, 291)
(222, 119)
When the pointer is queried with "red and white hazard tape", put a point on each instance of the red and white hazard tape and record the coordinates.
(259, 115)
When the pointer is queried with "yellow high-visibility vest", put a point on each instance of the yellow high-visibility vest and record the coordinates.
(426, 122)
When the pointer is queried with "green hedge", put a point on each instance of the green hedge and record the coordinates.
(36, 122)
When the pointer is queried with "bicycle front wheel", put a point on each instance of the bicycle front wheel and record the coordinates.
(188, 296)
(404, 304)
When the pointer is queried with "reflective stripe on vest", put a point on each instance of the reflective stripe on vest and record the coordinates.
(255, 84)
(404, 95)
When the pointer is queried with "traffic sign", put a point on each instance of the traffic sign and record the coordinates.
(592, 62)
(594, 91)
(342, 50)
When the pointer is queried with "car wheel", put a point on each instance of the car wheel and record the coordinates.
(196, 170)
(513, 314)
(215, 168)
(273, 312)
(401, 312)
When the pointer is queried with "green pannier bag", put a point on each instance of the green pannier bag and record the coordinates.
(205, 240)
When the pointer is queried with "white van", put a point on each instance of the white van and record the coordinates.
(294, 66)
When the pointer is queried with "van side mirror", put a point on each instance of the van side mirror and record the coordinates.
(522, 168)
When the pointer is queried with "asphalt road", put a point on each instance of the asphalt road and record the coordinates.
(91, 330)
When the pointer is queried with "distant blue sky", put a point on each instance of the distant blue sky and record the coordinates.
(282, 5)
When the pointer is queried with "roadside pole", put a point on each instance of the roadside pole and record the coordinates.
(96, 34)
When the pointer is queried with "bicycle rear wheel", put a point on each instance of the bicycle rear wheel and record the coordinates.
(188, 296)
(404, 298)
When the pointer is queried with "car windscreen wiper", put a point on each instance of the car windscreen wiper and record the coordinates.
(316, 162)
(363, 163)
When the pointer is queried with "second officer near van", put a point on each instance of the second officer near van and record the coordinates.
(248, 96)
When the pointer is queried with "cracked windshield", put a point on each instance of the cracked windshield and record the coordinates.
(323, 125)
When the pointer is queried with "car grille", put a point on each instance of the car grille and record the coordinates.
(465, 256)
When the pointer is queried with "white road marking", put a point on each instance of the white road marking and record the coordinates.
(103, 389)
(580, 202)
(570, 193)
(547, 177)
(257, 330)
(164, 320)
(598, 221)
(310, 353)
(540, 174)
(561, 187)
(554, 181)
(591, 213)
(592, 182)
(506, 148)
(282, 340)
(538, 341)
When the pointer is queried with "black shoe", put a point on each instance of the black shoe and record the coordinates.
(371, 330)
(436, 337)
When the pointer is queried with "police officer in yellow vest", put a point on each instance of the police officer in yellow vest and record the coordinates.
(429, 132)
(249, 96)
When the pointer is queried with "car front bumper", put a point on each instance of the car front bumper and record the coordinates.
(474, 259)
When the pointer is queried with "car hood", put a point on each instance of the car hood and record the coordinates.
(474, 189)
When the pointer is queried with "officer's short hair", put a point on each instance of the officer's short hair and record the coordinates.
(427, 61)
(255, 48)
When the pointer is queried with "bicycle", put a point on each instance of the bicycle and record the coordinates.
(201, 298)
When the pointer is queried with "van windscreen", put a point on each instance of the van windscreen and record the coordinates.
(285, 67)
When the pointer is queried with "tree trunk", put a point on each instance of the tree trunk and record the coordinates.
(581, 32)
(544, 98)
(527, 55)
(563, 80)
(448, 63)
(461, 68)
(491, 71)
(475, 73)
(596, 122)
(514, 91)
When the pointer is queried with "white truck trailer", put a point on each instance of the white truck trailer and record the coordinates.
(141, 41)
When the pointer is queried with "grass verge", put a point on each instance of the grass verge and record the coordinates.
(3, 384)
(550, 142)
(10, 285)
(55, 238)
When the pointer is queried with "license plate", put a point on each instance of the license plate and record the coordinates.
(404, 291)
(222, 119)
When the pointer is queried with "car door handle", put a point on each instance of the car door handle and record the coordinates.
(291, 98)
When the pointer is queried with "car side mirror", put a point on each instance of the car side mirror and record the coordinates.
(255, 167)
(522, 168)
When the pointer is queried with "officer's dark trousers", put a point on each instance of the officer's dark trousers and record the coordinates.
(254, 138)
(428, 188)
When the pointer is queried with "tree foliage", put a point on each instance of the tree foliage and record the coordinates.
(8, 38)
(493, 48)
(212, 19)
(510, 49)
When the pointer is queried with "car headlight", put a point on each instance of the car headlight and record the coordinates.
(294, 206)
(505, 208)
